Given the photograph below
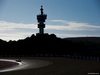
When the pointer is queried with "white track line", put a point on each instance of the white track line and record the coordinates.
(25, 64)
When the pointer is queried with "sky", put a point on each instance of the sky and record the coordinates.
(65, 18)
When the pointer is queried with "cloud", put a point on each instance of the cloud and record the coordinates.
(77, 35)
(15, 31)
(11, 26)
(77, 26)
(60, 21)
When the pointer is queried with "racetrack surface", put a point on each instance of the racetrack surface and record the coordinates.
(6, 64)
(58, 66)
(12, 65)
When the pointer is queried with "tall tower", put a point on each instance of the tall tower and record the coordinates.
(41, 19)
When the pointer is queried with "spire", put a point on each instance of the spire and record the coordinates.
(41, 10)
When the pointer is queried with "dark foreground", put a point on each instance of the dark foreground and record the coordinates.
(61, 66)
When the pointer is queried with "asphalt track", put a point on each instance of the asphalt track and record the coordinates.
(25, 64)
(54, 66)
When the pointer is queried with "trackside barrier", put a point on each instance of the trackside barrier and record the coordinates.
(52, 55)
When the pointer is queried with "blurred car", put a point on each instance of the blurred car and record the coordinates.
(18, 60)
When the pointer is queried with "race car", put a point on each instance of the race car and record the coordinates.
(18, 60)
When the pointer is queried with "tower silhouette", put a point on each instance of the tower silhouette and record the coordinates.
(41, 19)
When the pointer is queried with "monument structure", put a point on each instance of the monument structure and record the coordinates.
(41, 19)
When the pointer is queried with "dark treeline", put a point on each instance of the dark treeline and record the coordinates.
(49, 44)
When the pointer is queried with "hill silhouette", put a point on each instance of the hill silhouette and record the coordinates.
(51, 44)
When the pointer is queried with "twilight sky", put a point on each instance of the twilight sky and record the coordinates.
(65, 18)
